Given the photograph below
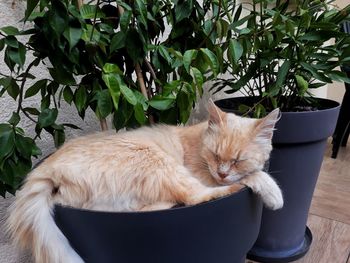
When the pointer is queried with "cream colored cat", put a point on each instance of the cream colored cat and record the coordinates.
(145, 169)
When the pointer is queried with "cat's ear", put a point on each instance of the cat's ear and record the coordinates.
(265, 126)
(216, 116)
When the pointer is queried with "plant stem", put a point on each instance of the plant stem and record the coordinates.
(94, 22)
(80, 3)
(141, 80)
(103, 123)
(143, 88)
(153, 74)
(21, 90)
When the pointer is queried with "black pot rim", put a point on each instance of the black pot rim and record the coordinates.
(180, 208)
(332, 104)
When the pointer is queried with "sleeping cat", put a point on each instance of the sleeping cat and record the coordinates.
(145, 169)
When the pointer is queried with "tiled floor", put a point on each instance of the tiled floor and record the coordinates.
(329, 218)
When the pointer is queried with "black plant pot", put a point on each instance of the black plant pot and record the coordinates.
(298, 147)
(222, 231)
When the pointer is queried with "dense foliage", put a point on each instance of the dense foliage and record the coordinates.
(284, 50)
(145, 61)
(114, 57)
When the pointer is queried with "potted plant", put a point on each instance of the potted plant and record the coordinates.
(277, 57)
(115, 58)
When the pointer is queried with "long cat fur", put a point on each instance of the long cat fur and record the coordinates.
(145, 169)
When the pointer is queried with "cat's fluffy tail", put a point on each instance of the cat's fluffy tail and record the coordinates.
(31, 224)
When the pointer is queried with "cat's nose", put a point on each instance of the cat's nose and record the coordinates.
(222, 175)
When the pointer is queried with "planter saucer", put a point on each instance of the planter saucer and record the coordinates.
(268, 256)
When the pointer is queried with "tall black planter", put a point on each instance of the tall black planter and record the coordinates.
(298, 147)
(218, 231)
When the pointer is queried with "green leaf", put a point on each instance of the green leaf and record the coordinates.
(62, 76)
(35, 88)
(24, 146)
(12, 41)
(339, 76)
(73, 36)
(198, 78)
(13, 89)
(80, 98)
(238, 13)
(14, 120)
(165, 54)
(128, 93)
(59, 137)
(315, 73)
(32, 111)
(240, 22)
(235, 51)
(47, 117)
(111, 68)
(112, 83)
(302, 84)
(140, 114)
(118, 41)
(183, 10)
(184, 105)
(281, 78)
(282, 73)
(134, 45)
(10, 30)
(18, 56)
(68, 95)
(58, 18)
(242, 108)
(260, 111)
(88, 12)
(212, 59)
(31, 4)
(188, 57)
(161, 103)
(104, 103)
(7, 138)
(141, 99)
(125, 20)
(142, 11)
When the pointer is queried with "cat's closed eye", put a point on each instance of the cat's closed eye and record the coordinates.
(235, 162)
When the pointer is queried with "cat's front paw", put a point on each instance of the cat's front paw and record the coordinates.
(273, 199)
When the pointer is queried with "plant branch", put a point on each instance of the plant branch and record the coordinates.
(103, 124)
(28, 116)
(21, 90)
(143, 88)
(153, 74)
(141, 80)
(80, 3)
(94, 22)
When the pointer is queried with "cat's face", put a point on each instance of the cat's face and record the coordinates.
(234, 147)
